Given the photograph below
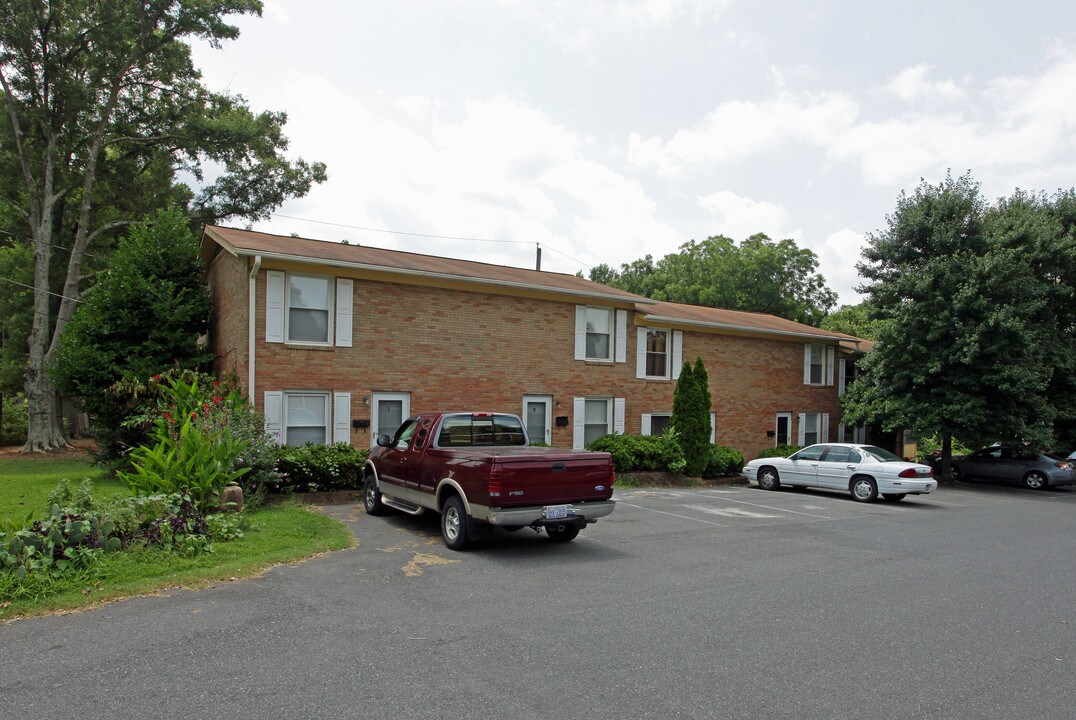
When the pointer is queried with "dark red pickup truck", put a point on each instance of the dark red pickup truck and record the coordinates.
(478, 470)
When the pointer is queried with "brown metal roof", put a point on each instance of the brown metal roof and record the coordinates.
(248, 242)
(735, 320)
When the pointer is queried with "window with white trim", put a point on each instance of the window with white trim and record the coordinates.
(309, 298)
(599, 333)
(597, 419)
(813, 428)
(655, 423)
(818, 363)
(657, 353)
(306, 418)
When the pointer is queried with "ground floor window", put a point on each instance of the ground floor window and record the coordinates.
(306, 418)
(852, 434)
(597, 419)
(655, 423)
(813, 428)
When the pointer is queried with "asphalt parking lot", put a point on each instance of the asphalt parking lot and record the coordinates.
(704, 603)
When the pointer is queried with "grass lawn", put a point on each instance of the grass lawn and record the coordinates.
(27, 480)
(279, 533)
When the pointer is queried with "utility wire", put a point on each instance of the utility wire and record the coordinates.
(31, 287)
(428, 235)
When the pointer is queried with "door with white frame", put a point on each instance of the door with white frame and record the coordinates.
(783, 429)
(388, 410)
(537, 414)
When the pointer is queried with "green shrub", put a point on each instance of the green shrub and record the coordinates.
(723, 461)
(641, 453)
(779, 451)
(64, 540)
(16, 417)
(313, 467)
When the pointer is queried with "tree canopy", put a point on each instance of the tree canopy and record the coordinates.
(776, 277)
(103, 113)
(145, 314)
(973, 306)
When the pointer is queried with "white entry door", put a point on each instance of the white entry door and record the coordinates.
(537, 414)
(387, 413)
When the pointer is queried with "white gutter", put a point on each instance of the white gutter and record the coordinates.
(252, 295)
(446, 276)
(744, 328)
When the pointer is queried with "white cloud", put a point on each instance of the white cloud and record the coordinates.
(912, 85)
(740, 217)
(837, 258)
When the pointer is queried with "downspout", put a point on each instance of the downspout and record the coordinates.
(253, 285)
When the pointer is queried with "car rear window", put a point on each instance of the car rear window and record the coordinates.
(881, 454)
(481, 431)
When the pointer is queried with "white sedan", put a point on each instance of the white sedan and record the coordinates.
(865, 471)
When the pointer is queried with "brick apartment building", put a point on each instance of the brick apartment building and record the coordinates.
(340, 342)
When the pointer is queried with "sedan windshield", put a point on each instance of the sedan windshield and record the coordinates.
(881, 454)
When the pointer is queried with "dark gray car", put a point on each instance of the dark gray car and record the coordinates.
(1029, 468)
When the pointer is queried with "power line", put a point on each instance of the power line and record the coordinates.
(61, 247)
(430, 235)
(31, 287)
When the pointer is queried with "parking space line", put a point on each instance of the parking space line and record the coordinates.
(730, 512)
(770, 507)
(662, 512)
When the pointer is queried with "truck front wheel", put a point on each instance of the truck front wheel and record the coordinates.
(562, 533)
(454, 525)
(371, 497)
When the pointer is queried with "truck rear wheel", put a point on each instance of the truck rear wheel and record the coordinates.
(563, 532)
(454, 524)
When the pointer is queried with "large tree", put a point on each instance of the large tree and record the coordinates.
(145, 314)
(758, 275)
(963, 343)
(103, 108)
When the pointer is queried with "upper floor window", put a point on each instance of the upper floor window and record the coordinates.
(657, 353)
(308, 302)
(818, 361)
(599, 333)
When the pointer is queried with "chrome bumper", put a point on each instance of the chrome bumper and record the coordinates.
(535, 515)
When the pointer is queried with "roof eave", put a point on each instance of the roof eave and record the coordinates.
(434, 275)
(742, 328)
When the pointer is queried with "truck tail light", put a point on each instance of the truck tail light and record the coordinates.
(612, 476)
(495, 487)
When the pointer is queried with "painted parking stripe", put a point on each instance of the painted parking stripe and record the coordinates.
(730, 512)
(662, 512)
(776, 509)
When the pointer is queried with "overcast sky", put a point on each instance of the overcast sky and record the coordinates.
(609, 130)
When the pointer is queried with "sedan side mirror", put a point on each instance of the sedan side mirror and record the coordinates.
(384, 441)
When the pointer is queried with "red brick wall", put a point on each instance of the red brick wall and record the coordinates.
(228, 318)
(459, 350)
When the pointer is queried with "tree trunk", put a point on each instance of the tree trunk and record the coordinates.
(44, 431)
(946, 459)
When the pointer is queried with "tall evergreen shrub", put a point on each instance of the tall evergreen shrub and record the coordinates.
(691, 417)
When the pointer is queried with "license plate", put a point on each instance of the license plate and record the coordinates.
(556, 512)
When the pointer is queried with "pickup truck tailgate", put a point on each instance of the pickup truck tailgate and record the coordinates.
(552, 477)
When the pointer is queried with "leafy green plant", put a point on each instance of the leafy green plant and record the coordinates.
(62, 541)
(779, 451)
(310, 467)
(16, 418)
(641, 453)
(723, 461)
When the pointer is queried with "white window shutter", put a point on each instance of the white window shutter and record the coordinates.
(578, 408)
(640, 353)
(807, 364)
(274, 306)
(621, 335)
(831, 352)
(342, 417)
(344, 303)
(713, 427)
(841, 374)
(677, 353)
(824, 436)
(803, 426)
(273, 410)
(618, 415)
(840, 432)
(580, 332)
(644, 426)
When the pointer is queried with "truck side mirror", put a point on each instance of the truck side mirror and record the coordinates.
(384, 441)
